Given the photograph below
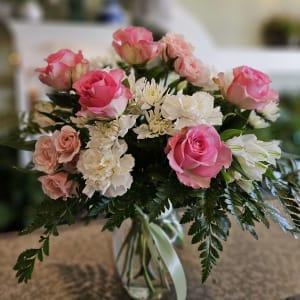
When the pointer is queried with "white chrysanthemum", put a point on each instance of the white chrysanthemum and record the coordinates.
(109, 59)
(256, 121)
(148, 94)
(107, 172)
(192, 110)
(271, 111)
(253, 155)
(155, 126)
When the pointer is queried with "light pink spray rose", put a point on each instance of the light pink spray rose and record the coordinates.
(64, 67)
(197, 154)
(58, 186)
(45, 156)
(192, 69)
(174, 45)
(67, 143)
(135, 45)
(249, 88)
(102, 93)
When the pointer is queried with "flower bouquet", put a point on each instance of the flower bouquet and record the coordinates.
(149, 130)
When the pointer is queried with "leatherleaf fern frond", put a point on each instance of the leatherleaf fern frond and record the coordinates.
(209, 227)
(49, 214)
(283, 185)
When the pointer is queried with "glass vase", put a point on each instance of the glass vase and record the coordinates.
(140, 267)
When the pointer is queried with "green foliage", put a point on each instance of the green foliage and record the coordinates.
(284, 187)
(26, 261)
(18, 143)
(209, 226)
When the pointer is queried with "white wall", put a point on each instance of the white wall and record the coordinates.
(237, 22)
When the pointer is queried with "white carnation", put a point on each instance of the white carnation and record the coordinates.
(107, 172)
(103, 134)
(192, 110)
(253, 155)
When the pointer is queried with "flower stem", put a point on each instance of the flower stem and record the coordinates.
(145, 267)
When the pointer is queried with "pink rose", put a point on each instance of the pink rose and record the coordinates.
(193, 70)
(250, 89)
(135, 45)
(64, 67)
(174, 45)
(197, 154)
(67, 143)
(102, 93)
(58, 186)
(45, 157)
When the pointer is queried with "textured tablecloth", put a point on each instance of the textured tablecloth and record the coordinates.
(80, 267)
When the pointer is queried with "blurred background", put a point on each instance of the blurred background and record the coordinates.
(260, 33)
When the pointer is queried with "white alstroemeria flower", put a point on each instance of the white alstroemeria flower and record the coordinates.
(256, 121)
(148, 94)
(192, 110)
(155, 125)
(253, 155)
(107, 172)
(271, 111)
(245, 184)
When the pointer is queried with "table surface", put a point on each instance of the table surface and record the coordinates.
(81, 267)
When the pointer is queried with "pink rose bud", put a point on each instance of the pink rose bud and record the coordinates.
(45, 157)
(102, 93)
(57, 186)
(197, 154)
(64, 67)
(250, 89)
(67, 143)
(174, 45)
(135, 45)
(193, 70)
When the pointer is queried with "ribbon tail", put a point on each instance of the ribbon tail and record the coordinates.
(170, 259)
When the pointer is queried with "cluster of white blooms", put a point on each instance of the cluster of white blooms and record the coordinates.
(189, 111)
(254, 157)
(155, 125)
(104, 165)
(168, 114)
